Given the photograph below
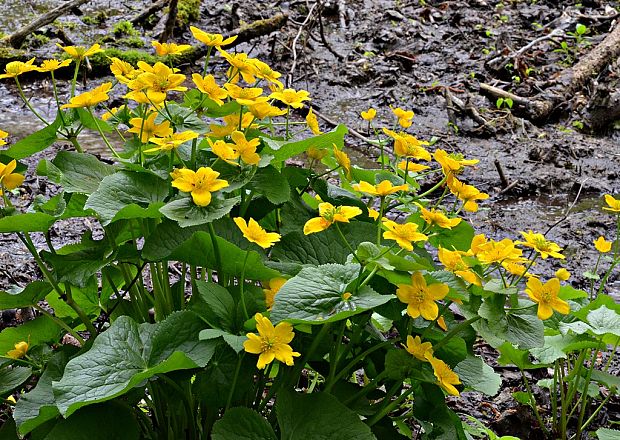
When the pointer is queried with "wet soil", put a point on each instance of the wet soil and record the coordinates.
(406, 53)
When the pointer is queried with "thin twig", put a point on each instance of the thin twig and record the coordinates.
(567, 213)
(289, 77)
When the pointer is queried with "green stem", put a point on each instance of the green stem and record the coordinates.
(346, 242)
(597, 410)
(60, 322)
(379, 223)
(389, 408)
(83, 316)
(430, 191)
(241, 285)
(30, 107)
(533, 403)
(456, 330)
(103, 136)
(372, 385)
(233, 386)
(75, 75)
(359, 357)
(218, 256)
(584, 394)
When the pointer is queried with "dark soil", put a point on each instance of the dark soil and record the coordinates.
(406, 53)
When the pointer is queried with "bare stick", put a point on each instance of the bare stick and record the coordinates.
(289, 77)
(353, 132)
(170, 21)
(500, 171)
(568, 210)
(17, 38)
(144, 15)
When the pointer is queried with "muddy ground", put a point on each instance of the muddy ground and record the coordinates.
(382, 53)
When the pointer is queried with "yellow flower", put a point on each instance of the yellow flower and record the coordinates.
(369, 114)
(147, 128)
(231, 123)
(274, 286)
(19, 352)
(212, 40)
(441, 322)
(265, 72)
(79, 52)
(546, 295)
(408, 146)
(240, 64)
(90, 99)
(271, 342)
(343, 160)
(384, 188)
(452, 163)
(111, 113)
(246, 149)
(163, 49)
(562, 274)
(420, 297)
(51, 65)
(171, 141)
(446, 378)
(156, 81)
(313, 123)
(489, 252)
(16, 68)
(123, 71)
(208, 86)
(200, 183)
(253, 232)
(602, 245)
(328, 214)
(453, 262)
(224, 151)
(374, 214)
(263, 110)
(315, 153)
(293, 98)
(419, 349)
(614, 204)
(434, 217)
(411, 167)
(3, 136)
(404, 117)
(403, 234)
(245, 96)
(466, 193)
(540, 244)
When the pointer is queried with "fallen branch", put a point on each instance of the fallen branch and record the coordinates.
(170, 21)
(144, 15)
(568, 83)
(17, 38)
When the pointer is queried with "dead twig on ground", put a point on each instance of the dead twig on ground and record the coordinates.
(289, 76)
(569, 209)
(146, 14)
(17, 38)
(352, 132)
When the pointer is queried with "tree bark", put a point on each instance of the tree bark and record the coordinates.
(17, 38)
(170, 21)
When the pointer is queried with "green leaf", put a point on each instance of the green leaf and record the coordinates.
(270, 183)
(127, 354)
(401, 365)
(558, 346)
(78, 172)
(315, 295)
(87, 119)
(187, 213)
(285, 150)
(27, 297)
(324, 247)
(234, 341)
(11, 377)
(604, 320)
(214, 304)
(86, 424)
(128, 195)
(526, 331)
(477, 375)
(458, 238)
(191, 245)
(77, 263)
(38, 331)
(601, 300)
(242, 423)
(318, 416)
(609, 380)
(38, 405)
(607, 434)
(510, 355)
(37, 141)
(28, 222)
(7, 430)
